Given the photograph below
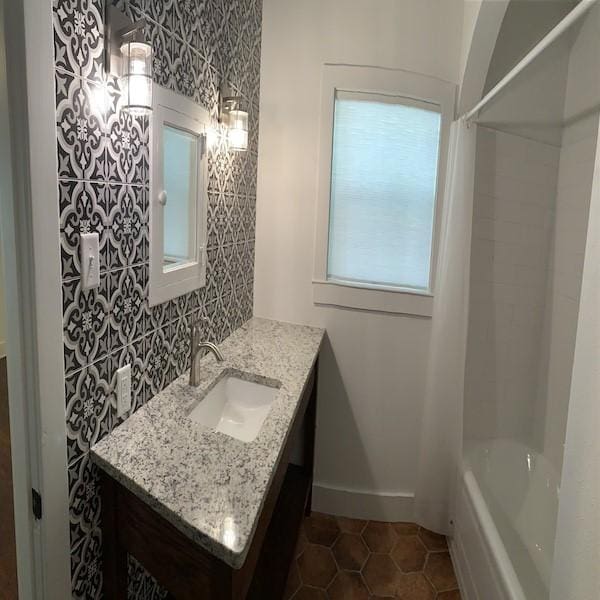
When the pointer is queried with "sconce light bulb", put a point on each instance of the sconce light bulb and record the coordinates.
(238, 139)
(137, 90)
(238, 130)
(136, 81)
(138, 67)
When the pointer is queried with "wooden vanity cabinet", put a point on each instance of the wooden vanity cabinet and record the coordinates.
(187, 571)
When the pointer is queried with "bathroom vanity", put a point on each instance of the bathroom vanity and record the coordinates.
(204, 496)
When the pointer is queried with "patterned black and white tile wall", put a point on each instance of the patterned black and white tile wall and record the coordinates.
(103, 164)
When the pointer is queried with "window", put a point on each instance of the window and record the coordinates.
(383, 138)
(178, 196)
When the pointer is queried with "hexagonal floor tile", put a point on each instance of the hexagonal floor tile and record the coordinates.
(350, 551)
(348, 586)
(405, 528)
(381, 575)
(440, 572)
(380, 537)
(453, 595)
(316, 565)
(409, 554)
(321, 529)
(301, 544)
(351, 525)
(414, 586)
(433, 541)
(310, 593)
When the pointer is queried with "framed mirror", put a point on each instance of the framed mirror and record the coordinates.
(178, 196)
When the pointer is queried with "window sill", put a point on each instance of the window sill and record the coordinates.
(386, 300)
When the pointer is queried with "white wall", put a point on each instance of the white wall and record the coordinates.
(532, 105)
(576, 575)
(471, 11)
(567, 253)
(482, 21)
(525, 23)
(373, 371)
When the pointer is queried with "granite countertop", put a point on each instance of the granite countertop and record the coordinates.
(208, 485)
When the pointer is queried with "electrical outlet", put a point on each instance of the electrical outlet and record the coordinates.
(123, 390)
(90, 260)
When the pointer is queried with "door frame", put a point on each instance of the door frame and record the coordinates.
(30, 237)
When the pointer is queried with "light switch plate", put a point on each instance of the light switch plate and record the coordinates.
(123, 390)
(90, 260)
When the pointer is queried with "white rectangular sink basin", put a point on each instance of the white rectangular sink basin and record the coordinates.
(236, 406)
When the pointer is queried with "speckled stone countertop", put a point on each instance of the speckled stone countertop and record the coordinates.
(207, 484)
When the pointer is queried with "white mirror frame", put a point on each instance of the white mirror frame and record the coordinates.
(173, 109)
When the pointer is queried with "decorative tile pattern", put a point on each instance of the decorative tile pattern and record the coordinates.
(333, 561)
(142, 586)
(78, 36)
(103, 170)
(86, 565)
(126, 141)
(127, 289)
(80, 125)
(127, 225)
(89, 407)
(82, 210)
(86, 331)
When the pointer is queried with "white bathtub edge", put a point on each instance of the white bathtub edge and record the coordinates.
(461, 568)
(482, 563)
(501, 560)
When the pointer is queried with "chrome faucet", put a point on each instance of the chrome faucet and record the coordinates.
(196, 345)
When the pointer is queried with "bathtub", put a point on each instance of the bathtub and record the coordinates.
(505, 521)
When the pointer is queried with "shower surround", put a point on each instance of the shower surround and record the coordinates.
(102, 161)
(531, 213)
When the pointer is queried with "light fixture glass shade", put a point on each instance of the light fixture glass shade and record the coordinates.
(237, 134)
(136, 79)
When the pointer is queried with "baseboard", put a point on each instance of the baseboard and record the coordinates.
(363, 505)
(2, 349)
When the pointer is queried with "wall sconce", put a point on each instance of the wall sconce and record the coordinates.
(236, 119)
(129, 56)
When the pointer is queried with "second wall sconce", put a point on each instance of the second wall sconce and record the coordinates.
(129, 56)
(234, 118)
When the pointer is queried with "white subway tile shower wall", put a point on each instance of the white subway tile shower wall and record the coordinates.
(103, 187)
(563, 292)
(515, 191)
(570, 233)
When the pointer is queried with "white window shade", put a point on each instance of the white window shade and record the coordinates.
(383, 190)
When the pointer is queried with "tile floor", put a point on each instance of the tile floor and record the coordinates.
(349, 559)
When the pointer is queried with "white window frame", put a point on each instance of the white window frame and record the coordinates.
(170, 108)
(382, 82)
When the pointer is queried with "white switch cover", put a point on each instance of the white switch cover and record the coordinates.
(123, 390)
(90, 260)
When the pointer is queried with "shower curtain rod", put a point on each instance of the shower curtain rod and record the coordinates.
(571, 18)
